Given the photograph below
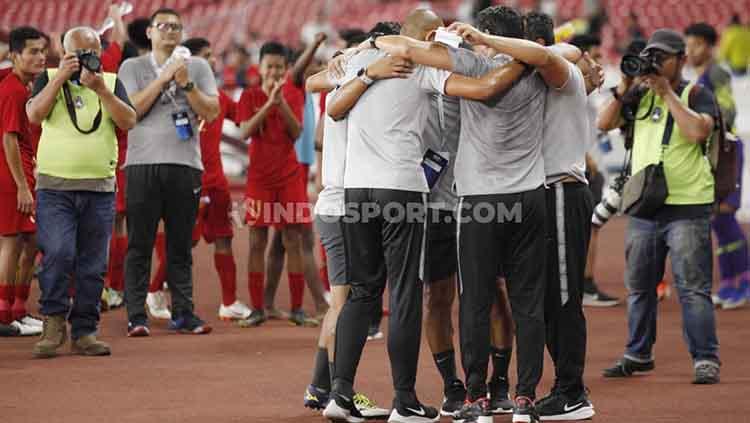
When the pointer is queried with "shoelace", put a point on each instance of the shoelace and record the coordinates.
(361, 401)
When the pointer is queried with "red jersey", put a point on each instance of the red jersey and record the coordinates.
(111, 58)
(13, 119)
(213, 169)
(273, 161)
(5, 72)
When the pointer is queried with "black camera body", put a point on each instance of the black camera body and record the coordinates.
(87, 59)
(634, 65)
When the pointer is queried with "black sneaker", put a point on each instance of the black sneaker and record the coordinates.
(190, 325)
(706, 373)
(593, 297)
(341, 408)
(316, 398)
(413, 413)
(455, 394)
(500, 402)
(256, 318)
(525, 411)
(557, 406)
(474, 412)
(625, 367)
(8, 330)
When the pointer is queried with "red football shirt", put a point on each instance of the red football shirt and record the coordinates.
(273, 161)
(111, 58)
(213, 169)
(5, 72)
(13, 119)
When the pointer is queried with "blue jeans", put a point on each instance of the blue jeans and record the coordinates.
(688, 243)
(73, 232)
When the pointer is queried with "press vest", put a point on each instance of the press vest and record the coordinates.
(64, 152)
(687, 170)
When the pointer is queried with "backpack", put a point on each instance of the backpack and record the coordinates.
(721, 151)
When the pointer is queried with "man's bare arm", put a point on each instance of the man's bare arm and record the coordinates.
(319, 82)
(491, 84)
(551, 66)
(419, 52)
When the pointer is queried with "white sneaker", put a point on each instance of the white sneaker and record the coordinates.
(236, 311)
(30, 320)
(115, 298)
(26, 330)
(156, 303)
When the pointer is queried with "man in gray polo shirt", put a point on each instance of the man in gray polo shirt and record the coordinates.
(163, 168)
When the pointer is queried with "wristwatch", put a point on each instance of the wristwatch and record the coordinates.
(188, 87)
(362, 75)
(373, 37)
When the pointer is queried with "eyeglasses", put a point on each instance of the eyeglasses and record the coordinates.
(168, 26)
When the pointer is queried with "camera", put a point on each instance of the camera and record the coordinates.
(610, 203)
(88, 59)
(634, 65)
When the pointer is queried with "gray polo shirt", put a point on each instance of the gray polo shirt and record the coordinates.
(441, 135)
(154, 138)
(567, 132)
(386, 129)
(500, 146)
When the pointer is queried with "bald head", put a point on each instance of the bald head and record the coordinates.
(81, 38)
(420, 23)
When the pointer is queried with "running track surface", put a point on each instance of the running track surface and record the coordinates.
(259, 375)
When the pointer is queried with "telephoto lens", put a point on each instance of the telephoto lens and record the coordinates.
(610, 203)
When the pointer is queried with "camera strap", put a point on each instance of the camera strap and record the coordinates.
(72, 112)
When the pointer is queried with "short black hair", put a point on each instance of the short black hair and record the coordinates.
(352, 35)
(164, 11)
(540, 25)
(387, 28)
(502, 21)
(195, 45)
(18, 37)
(274, 48)
(586, 42)
(137, 33)
(703, 30)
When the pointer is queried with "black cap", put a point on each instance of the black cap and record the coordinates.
(666, 40)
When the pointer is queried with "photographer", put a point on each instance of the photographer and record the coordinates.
(672, 121)
(79, 108)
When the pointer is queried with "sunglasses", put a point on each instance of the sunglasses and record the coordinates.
(168, 27)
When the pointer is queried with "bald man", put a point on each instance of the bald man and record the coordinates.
(79, 108)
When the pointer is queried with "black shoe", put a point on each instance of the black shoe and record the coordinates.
(500, 402)
(625, 367)
(455, 394)
(706, 373)
(256, 318)
(525, 411)
(341, 408)
(557, 406)
(8, 330)
(413, 413)
(593, 297)
(474, 412)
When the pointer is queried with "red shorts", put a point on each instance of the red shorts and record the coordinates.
(12, 222)
(120, 194)
(277, 207)
(213, 216)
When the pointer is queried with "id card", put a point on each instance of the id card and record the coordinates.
(182, 126)
(434, 164)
